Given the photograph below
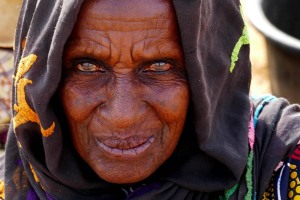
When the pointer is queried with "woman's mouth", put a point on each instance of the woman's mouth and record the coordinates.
(125, 147)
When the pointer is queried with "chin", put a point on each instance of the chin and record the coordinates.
(124, 179)
(125, 173)
(127, 169)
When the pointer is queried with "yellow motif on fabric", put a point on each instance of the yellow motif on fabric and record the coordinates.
(23, 44)
(269, 194)
(2, 195)
(24, 112)
(294, 186)
(34, 174)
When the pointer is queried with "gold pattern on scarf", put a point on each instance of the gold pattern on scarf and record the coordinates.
(23, 44)
(19, 178)
(24, 112)
(2, 195)
(34, 174)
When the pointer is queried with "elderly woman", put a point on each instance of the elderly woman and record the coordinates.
(142, 99)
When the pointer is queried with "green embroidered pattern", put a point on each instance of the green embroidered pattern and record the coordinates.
(249, 175)
(243, 40)
(249, 181)
(229, 193)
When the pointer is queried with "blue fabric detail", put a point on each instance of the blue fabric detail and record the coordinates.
(265, 100)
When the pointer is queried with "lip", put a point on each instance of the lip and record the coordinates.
(134, 150)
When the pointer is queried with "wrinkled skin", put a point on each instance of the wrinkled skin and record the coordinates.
(125, 93)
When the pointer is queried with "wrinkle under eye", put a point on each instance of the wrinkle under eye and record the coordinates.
(162, 73)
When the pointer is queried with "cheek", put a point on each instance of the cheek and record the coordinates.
(77, 102)
(172, 103)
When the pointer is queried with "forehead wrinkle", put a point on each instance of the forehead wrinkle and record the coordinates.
(149, 24)
(96, 36)
(88, 47)
(102, 24)
(115, 53)
(150, 48)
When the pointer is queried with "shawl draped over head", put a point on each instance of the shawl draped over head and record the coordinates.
(211, 157)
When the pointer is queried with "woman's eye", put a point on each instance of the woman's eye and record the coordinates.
(89, 67)
(159, 67)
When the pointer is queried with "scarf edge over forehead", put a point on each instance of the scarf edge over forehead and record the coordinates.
(217, 60)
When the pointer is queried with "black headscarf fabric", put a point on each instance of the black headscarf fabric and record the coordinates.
(211, 156)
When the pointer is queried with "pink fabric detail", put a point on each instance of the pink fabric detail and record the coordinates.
(251, 131)
(279, 166)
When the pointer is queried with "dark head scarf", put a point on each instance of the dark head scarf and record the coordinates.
(212, 153)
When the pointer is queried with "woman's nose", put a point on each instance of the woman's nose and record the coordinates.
(124, 106)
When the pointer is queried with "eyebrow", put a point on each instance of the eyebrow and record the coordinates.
(169, 49)
(88, 47)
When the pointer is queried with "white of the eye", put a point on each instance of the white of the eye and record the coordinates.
(87, 67)
(161, 66)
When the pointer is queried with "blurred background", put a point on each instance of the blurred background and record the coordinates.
(258, 54)
(274, 31)
(9, 12)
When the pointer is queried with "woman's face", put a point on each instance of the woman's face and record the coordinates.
(125, 93)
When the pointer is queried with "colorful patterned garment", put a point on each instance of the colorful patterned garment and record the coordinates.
(285, 183)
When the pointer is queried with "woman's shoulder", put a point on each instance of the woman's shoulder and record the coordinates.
(276, 118)
(268, 106)
(277, 133)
